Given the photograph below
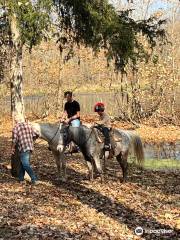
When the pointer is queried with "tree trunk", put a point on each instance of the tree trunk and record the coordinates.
(59, 101)
(17, 103)
(173, 66)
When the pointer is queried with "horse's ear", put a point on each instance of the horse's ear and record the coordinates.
(67, 126)
(61, 125)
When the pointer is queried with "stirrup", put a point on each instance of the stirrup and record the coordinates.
(107, 147)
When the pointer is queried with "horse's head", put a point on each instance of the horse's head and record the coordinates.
(63, 137)
(37, 129)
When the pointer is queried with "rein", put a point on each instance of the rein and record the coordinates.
(88, 137)
(54, 135)
(86, 140)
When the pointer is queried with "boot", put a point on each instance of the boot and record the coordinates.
(107, 147)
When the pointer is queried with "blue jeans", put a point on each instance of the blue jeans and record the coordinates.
(75, 123)
(25, 166)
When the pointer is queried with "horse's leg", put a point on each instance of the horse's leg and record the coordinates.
(98, 164)
(58, 163)
(90, 169)
(62, 161)
(104, 161)
(122, 160)
(89, 165)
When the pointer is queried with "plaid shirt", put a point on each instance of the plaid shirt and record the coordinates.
(23, 135)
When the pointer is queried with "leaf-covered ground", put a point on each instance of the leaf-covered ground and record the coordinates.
(79, 209)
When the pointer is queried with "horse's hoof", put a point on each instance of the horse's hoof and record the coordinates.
(96, 175)
(57, 179)
(90, 179)
(63, 180)
(123, 180)
(102, 181)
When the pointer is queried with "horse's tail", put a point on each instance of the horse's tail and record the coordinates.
(138, 148)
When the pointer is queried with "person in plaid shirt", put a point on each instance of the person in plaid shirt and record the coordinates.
(23, 135)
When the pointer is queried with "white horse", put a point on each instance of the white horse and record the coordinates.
(58, 136)
(51, 133)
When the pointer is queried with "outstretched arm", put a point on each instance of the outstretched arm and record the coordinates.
(77, 115)
(63, 118)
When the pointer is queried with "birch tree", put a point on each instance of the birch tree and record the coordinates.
(27, 24)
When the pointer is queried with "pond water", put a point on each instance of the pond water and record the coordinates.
(162, 151)
(164, 156)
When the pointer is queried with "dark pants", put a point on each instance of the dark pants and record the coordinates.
(105, 131)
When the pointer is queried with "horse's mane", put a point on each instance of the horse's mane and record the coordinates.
(49, 124)
(53, 124)
(127, 133)
(84, 126)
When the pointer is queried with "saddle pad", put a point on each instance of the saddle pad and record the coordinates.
(116, 139)
(100, 137)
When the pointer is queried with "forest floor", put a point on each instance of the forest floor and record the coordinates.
(84, 210)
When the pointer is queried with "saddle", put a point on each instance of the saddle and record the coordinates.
(113, 138)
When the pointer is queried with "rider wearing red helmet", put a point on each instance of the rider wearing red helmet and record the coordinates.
(104, 123)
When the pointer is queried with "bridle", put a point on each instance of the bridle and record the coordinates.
(67, 139)
(88, 137)
(67, 130)
(51, 141)
(86, 140)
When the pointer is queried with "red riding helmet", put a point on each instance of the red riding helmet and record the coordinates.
(99, 107)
